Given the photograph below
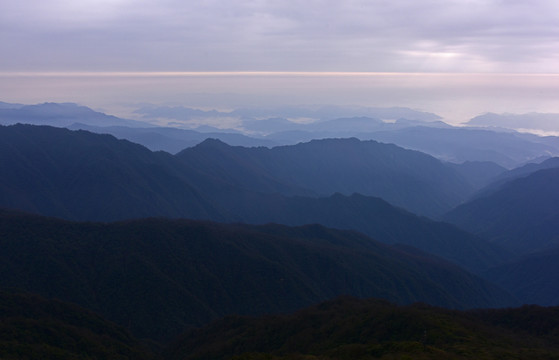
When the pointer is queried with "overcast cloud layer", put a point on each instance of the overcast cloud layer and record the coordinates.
(512, 36)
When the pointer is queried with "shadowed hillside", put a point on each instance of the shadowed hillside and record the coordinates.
(533, 279)
(521, 215)
(378, 219)
(83, 176)
(157, 277)
(32, 327)
(78, 175)
(348, 328)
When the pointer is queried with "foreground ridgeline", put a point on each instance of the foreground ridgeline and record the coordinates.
(354, 329)
(158, 277)
(32, 327)
(371, 329)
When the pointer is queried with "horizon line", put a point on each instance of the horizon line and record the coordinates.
(250, 73)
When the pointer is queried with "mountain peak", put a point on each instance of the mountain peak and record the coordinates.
(213, 143)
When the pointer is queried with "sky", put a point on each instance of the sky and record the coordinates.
(453, 57)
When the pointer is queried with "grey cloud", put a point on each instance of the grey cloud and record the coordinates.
(430, 35)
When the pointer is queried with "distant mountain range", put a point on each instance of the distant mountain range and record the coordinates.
(60, 115)
(84, 176)
(171, 140)
(158, 277)
(530, 121)
(288, 126)
(317, 114)
(457, 144)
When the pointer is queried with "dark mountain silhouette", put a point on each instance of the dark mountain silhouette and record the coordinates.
(289, 133)
(522, 215)
(76, 117)
(533, 279)
(348, 328)
(376, 218)
(42, 169)
(83, 176)
(405, 178)
(157, 277)
(332, 112)
(237, 171)
(32, 327)
(445, 142)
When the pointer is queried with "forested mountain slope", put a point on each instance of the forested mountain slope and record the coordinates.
(348, 328)
(32, 327)
(533, 279)
(84, 176)
(158, 277)
(521, 215)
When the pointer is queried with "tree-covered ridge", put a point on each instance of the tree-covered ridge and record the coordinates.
(79, 175)
(348, 328)
(32, 327)
(158, 277)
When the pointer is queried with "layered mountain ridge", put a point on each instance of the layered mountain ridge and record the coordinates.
(158, 277)
(83, 176)
(157, 274)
